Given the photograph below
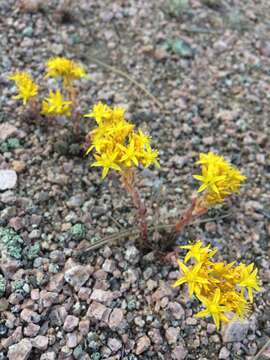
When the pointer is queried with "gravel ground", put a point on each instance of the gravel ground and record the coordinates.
(207, 63)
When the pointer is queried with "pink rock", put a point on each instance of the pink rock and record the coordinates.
(116, 318)
(16, 223)
(78, 275)
(98, 312)
(20, 351)
(40, 342)
(143, 344)
(84, 326)
(56, 283)
(31, 330)
(12, 339)
(172, 335)
(7, 130)
(114, 344)
(101, 296)
(30, 316)
(177, 310)
(179, 353)
(70, 323)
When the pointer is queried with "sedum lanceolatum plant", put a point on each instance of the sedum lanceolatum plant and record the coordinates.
(225, 290)
(60, 102)
(118, 146)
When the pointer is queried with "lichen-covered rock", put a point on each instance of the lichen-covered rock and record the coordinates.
(10, 243)
(78, 231)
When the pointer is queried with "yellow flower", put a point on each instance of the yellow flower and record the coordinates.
(220, 287)
(214, 308)
(219, 178)
(149, 157)
(192, 277)
(56, 105)
(115, 135)
(64, 68)
(248, 279)
(107, 161)
(198, 252)
(100, 112)
(26, 87)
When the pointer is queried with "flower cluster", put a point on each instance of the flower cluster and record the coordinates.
(65, 69)
(223, 289)
(117, 145)
(219, 178)
(27, 89)
(55, 104)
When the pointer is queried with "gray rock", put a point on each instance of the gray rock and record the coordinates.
(224, 353)
(143, 344)
(72, 340)
(235, 331)
(8, 179)
(50, 355)
(20, 351)
(132, 254)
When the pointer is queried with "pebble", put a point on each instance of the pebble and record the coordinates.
(171, 335)
(224, 353)
(78, 275)
(132, 254)
(143, 344)
(235, 331)
(116, 319)
(114, 344)
(40, 342)
(70, 323)
(20, 351)
(31, 330)
(18, 166)
(7, 130)
(8, 179)
(72, 340)
(101, 296)
(179, 353)
(50, 355)
(98, 311)
(30, 316)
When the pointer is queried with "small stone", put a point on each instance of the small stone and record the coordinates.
(16, 223)
(235, 331)
(109, 266)
(8, 179)
(143, 344)
(7, 130)
(31, 5)
(224, 353)
(78, 275)
(116, 318)
(70, 323)
(50, 355)
(72, 340)
(179, 352)
(114, 344)
(20, 351)
(56, 283)
(98, 312)
(28, 31)
(177, 310)
(40, 342)
(84, 326)
(18, 166)
(155, 336)
(101, 296)
(172, 335)
(30, 316)
(132, 254)
(31, 330)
